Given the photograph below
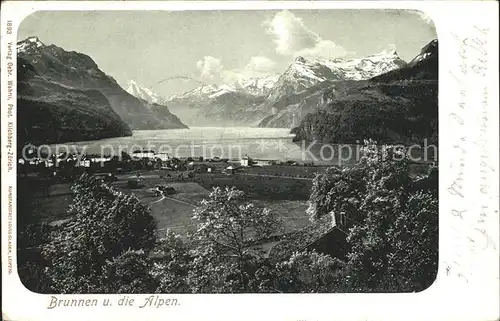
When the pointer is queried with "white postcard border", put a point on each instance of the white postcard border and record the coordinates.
(467, 287)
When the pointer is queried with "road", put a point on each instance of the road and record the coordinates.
(276, 176)
(164, 197)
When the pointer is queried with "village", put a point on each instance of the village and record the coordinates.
(173, 187)
(66, 167)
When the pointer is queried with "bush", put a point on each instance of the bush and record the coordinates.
(391, 218)
(107, 224)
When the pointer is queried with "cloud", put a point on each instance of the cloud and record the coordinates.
(293, 38)
(260, 64)
(257, 66)
(212, 70)
(290, 34)
(324, 49)
(209, 67)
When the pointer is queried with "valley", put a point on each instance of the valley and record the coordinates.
(64, 96)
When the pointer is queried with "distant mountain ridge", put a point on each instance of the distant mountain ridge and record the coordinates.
(57, 68)
(273, 101)
(300, 89)
(252, 86)
(399, 106)
(144, 93)
(225, 104)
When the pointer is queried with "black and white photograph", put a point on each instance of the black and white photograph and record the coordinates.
(225, 151)
(250, 160)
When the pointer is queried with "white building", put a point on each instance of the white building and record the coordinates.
(246, 161)
(100, 159)
(84, 163)
(143, 154)
(163, 156)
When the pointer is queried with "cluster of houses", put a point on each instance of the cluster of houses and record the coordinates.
(148, 159)
(63, 158)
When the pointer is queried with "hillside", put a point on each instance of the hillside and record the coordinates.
(78, 72)
(399, 106)
(48, 112)
(308, 84)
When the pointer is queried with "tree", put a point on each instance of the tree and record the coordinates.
(170, 268)
(129, 273)
(225, 244)
(337, 192)
(308, 272)
(31, 234)
(107, 223)
(413, 262)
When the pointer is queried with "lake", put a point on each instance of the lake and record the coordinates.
(209, 142)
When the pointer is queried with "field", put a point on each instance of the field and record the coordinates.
(293, 213)
(175, 211)
(285, 196)
(260, 187)
(53, 208)
(284, 170)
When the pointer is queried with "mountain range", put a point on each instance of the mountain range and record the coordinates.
(381, 97)
(64, 96)
(302, 87)
(226, 104)
(274, 101)
(398, 106)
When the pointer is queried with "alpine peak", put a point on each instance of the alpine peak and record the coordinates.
(29, 43)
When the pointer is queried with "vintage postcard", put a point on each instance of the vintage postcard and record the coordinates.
(310, 160)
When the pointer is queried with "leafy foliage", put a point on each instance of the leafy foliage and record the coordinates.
(411, 265)
(225, 247)
(400, 106)
(31, 234)
(107, 223)
(309, 272)
(391, 218)
(172, 264)
(129, 273)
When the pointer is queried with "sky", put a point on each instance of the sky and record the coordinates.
(157, 48)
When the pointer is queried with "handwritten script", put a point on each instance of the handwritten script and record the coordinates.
(471, 217)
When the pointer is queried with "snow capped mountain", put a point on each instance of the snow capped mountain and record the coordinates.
(226, 104)
(50, 65)
(252, 86)
(144, 93)
(397, 107)
(254, 99)
(308, 83)
(257, 86)
(303, 74)
(429, 50)
(368, 67)
(198, 93)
